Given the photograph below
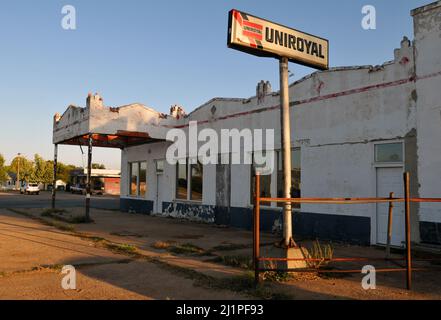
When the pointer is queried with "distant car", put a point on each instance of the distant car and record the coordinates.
(78, 188)
(81, 189)
(30, 188)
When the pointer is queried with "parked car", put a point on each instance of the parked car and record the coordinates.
(78, 188)
(81, 189)
(30, 188)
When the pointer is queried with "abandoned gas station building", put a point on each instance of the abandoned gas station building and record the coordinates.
(354, 130)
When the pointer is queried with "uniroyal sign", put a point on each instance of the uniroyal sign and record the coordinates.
(267, 39)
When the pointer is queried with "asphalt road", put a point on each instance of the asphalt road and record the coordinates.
(64, 200)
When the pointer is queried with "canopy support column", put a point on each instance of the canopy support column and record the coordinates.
(54, 184)
(89, 182)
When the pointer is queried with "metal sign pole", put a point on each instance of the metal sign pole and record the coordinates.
(407, 218)
(285, 127)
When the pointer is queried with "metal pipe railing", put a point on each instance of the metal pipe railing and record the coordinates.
(391, 200)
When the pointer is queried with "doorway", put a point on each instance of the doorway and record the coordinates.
(159, 168)
(390, 179)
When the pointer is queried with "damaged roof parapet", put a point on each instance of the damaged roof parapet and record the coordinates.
(402, 56)
(136, 124)
(110, 127)
(425, 8)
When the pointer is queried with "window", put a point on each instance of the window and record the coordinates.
(134, 173)
(389, 152)
(159, 166)
(196, 181)
(138, 179)
(142, 188)
(182, 182)
(295, 176)
(189, 181)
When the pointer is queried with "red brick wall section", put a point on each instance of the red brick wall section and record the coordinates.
(112, 186)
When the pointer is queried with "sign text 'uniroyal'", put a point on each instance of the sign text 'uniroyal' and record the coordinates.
(264, 38)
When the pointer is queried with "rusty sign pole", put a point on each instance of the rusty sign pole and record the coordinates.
(256, 230)
(89, 173)
(252, 35)
(407, 218)
(285, 129)
(54, 184)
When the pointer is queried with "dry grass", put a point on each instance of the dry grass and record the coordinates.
(239, 261)
(126, 249)
(163, 245)
(322, 252)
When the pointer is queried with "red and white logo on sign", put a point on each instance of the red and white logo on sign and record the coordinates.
(253, 31)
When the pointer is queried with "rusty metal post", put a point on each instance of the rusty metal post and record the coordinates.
(286, 151)
(54, 184)
(89, 174)
(408, 248)
(389, 225)
(256, 228)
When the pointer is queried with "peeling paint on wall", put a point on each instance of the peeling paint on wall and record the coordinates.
(192, 212)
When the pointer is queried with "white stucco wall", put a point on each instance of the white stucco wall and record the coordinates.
(337, 116)
(427, 22)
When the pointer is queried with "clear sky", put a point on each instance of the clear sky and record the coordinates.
(158, 53)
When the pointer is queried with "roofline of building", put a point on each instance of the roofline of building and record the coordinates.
(138, 104)
(425, 8)
(275, 93)
(306, 77)
(217, 99)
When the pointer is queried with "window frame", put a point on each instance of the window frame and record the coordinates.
(159, 171)
(188, 165)
(138, 179)
(388, 164)
(270, 176)
(177, 178)
(190, 182)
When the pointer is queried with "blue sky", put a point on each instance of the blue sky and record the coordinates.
(158, 53)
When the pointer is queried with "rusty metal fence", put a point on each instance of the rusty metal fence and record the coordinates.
(407, 200)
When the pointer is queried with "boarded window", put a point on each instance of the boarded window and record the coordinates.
(389, 152)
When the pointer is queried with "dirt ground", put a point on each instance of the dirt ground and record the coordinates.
(130, 256)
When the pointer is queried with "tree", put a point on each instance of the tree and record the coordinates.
(24, 167)
(3, 170)
(43, 170)
(63, 170)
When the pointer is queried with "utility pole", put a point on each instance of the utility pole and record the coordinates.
(18, 171)
(285, 127)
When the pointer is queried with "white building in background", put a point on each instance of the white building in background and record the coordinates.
(355, 130)
(10, 183)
